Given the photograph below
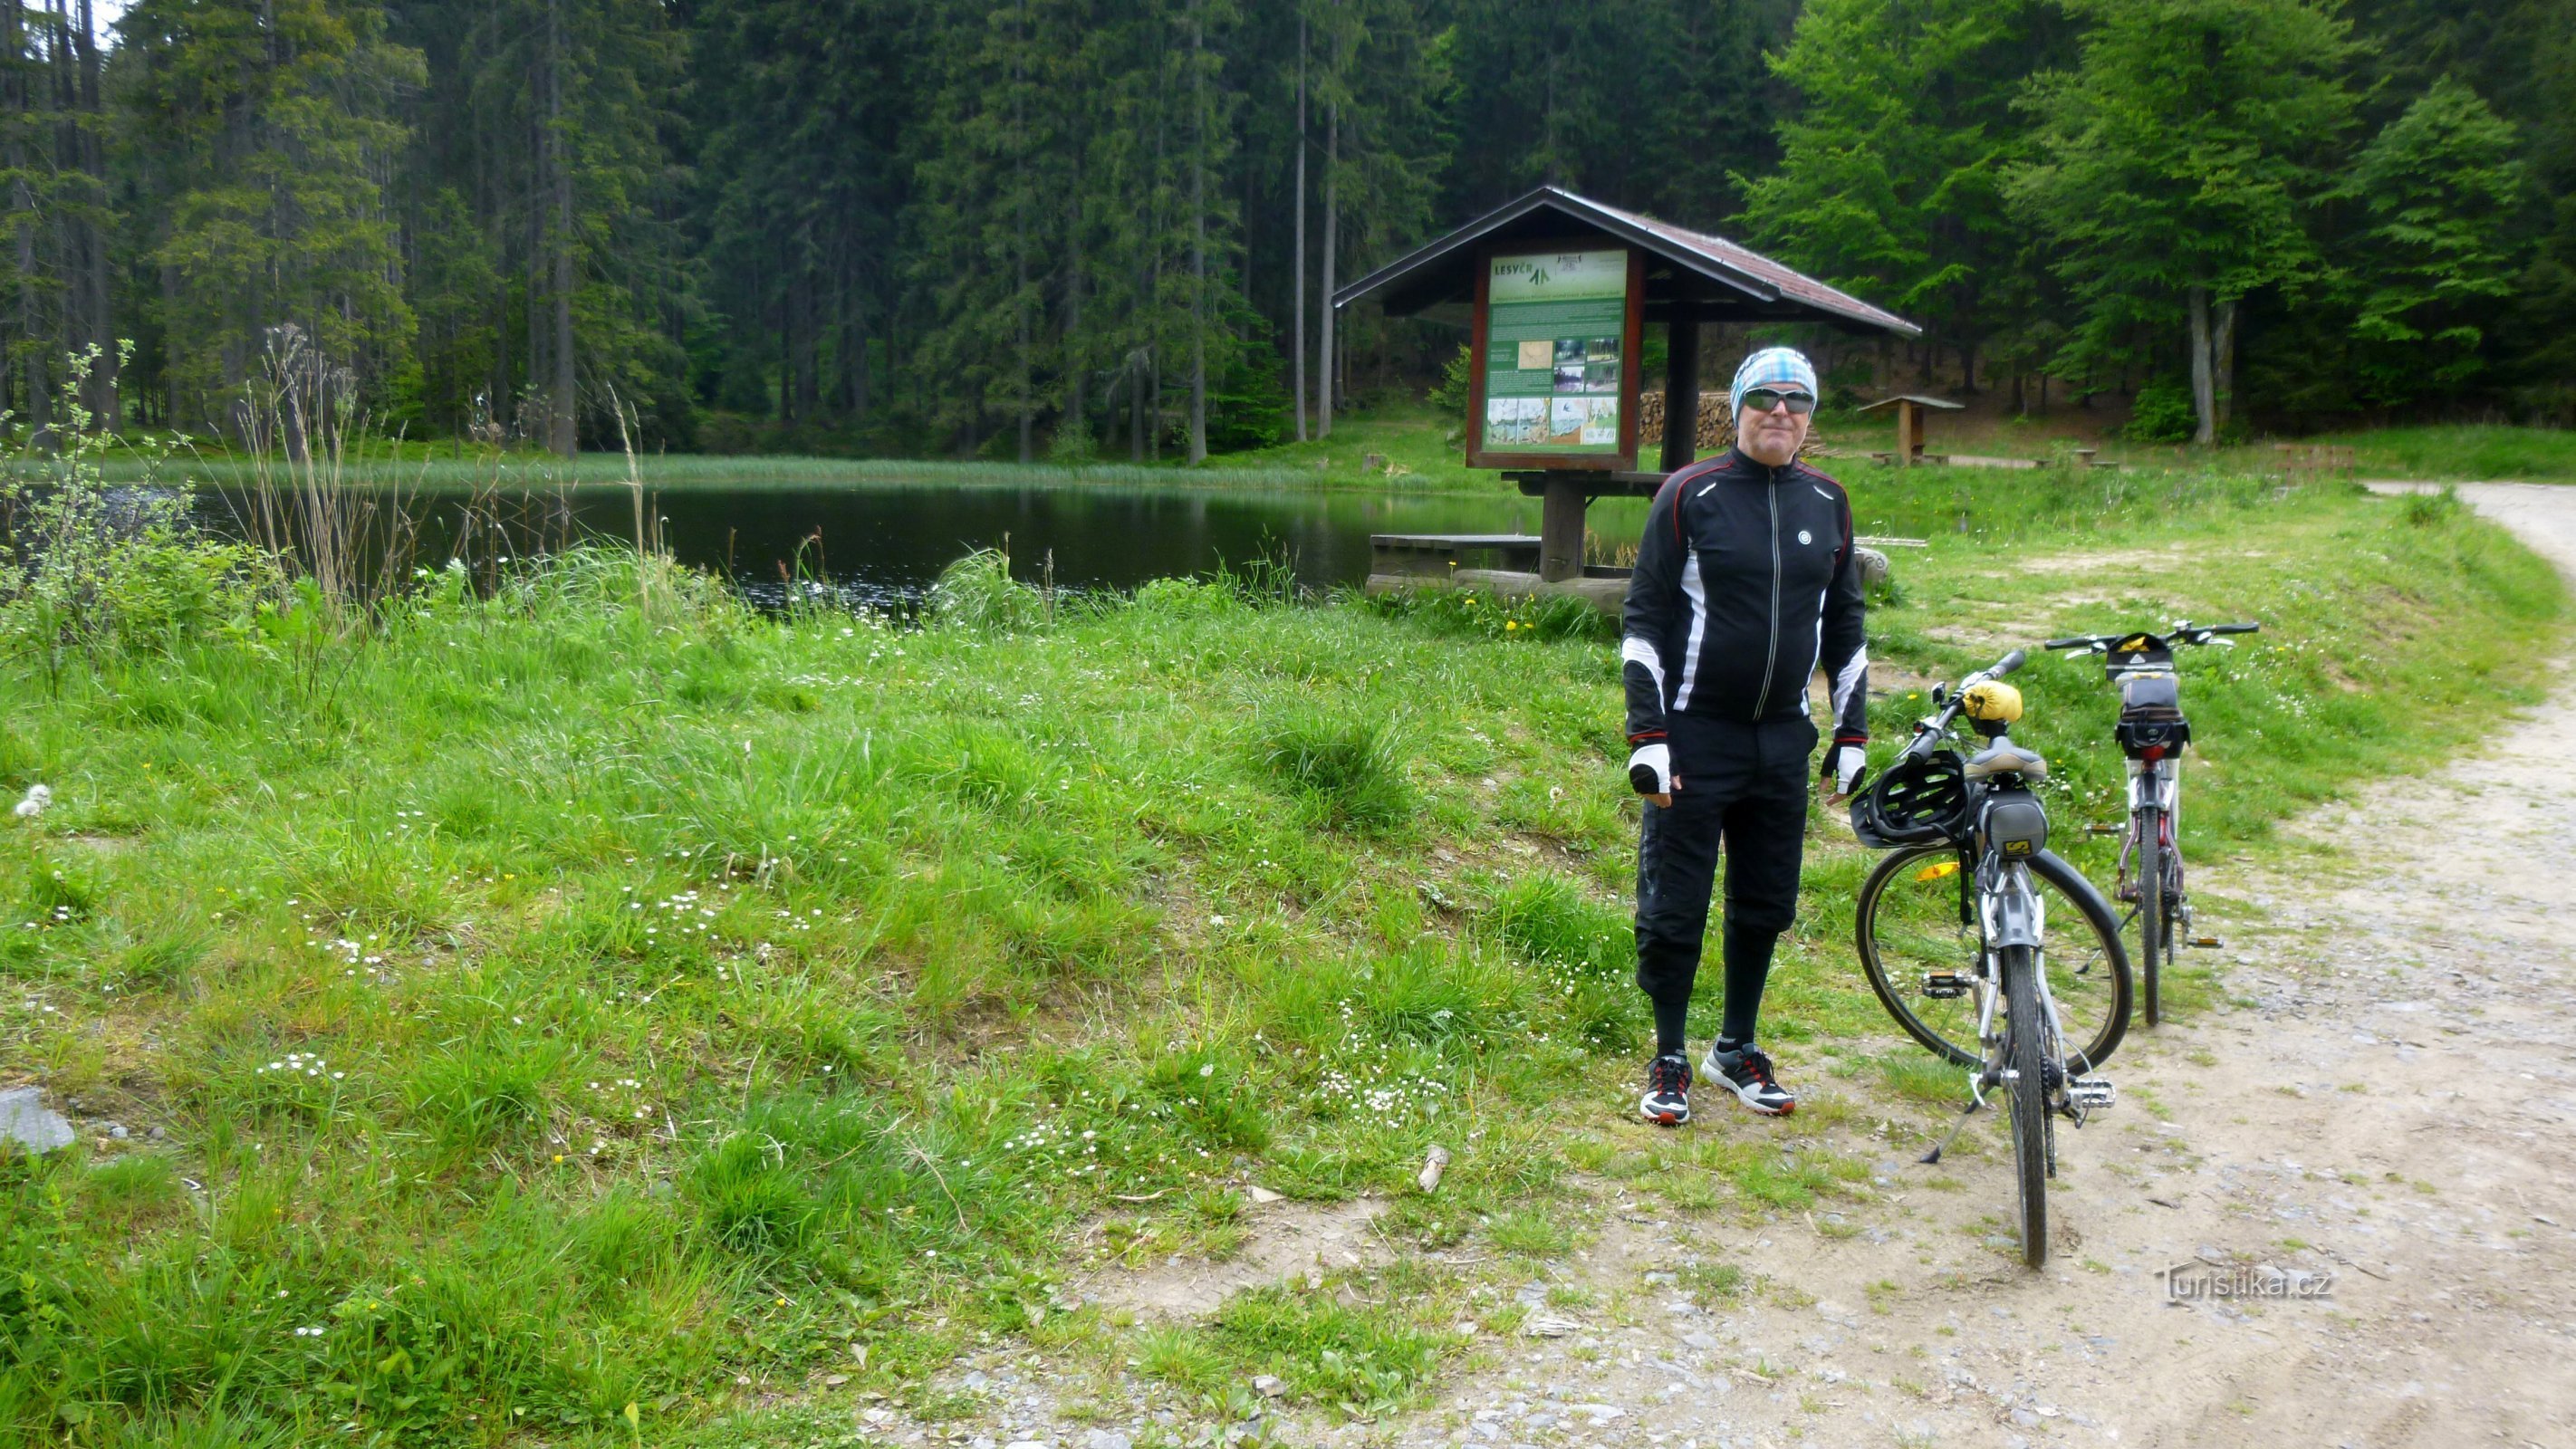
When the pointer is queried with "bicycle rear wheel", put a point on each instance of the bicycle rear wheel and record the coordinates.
(2026, 1048)
(2155, 926)
(1913, 925)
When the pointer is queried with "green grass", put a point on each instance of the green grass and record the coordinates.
(2463, 452)
(597, 995)
(1410, 439)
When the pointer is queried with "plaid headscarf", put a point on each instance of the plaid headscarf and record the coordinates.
(1768, 368)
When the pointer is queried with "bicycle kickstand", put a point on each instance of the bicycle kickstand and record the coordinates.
(1976, 1099)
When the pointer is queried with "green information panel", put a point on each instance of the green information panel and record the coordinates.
(1554, 324)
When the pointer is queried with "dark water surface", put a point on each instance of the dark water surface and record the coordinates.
(884, 543)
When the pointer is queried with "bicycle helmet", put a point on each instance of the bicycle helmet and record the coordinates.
(1915, 801)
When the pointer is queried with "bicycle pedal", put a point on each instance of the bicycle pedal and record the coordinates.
(2207, 943)
(2105, 829)
(2093, 1094)
(1944, 985)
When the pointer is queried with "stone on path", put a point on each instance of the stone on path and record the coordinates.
(28, 1122)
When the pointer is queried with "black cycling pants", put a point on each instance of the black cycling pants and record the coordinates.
(1747, 785)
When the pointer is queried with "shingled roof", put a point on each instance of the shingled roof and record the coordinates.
(1724, 280)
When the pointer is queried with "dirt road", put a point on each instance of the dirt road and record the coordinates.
(2385, 1115)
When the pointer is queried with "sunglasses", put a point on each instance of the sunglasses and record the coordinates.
(1764, 399)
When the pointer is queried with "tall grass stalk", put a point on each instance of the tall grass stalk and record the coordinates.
(357, 545)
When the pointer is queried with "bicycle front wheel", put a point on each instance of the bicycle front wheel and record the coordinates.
(2026, 1048)
(1918, 938)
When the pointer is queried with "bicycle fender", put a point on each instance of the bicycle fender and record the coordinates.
(2012, 917)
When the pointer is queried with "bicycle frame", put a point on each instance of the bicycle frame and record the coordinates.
(2156, 782)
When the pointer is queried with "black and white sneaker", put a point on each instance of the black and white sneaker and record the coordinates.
(1667, 1099)
(1747, 1073)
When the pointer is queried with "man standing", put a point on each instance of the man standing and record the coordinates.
(1744, 586)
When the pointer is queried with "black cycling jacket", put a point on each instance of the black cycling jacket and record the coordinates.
(1745, 586)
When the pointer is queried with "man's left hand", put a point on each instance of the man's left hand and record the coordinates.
(1843, 764)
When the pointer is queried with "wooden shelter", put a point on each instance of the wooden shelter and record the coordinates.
(1909, 423)
(1681, 278)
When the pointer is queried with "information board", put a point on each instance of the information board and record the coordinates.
(1556, 384)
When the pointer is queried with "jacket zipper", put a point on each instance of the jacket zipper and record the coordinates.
(1771, 661)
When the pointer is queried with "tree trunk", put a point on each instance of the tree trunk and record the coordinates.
(97, 270)
(2204, 402)
(560, 434)
(1076, 417)
(1324, 378)
(1021, 339)
(1198, 243)
(2222, 363)
(1297, 303)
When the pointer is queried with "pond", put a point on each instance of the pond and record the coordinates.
(883, 543)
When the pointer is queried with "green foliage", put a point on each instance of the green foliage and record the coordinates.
(264, 129)
(2442, 185)
(1449, 397)
(89, 568)
(2161, 413)
(1891, 172)
(2172, 166)
(1472, 611)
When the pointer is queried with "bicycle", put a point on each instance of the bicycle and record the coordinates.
(1970, 912)
(2152, 733)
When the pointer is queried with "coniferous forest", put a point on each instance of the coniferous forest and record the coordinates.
(1107, 227)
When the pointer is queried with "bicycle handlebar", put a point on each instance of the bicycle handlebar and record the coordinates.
(2183, 632)
(1929, 731)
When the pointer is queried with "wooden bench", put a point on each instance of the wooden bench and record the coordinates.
(1433, 555)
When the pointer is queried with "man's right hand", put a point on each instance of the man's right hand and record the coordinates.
(1650, 772)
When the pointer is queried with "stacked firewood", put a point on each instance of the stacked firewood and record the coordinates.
(1716, 427)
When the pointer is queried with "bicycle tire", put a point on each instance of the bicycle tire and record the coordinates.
(2103, 927)
(2025, 1048)
(2154, 939)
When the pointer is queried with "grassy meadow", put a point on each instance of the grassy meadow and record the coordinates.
(593, 1013)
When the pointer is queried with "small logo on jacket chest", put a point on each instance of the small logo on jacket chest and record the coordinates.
(1805, 537)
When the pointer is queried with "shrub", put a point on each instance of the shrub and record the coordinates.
(2425, 510)
(2162, 414)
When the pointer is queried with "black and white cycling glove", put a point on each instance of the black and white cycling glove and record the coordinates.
(1650, 768)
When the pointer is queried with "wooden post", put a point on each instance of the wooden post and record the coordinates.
(1681, 386)
(1909, 433)
(1560, 530)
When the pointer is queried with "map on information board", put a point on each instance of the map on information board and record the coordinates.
(1552, 352)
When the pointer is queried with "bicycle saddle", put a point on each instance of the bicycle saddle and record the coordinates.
(2003, 757)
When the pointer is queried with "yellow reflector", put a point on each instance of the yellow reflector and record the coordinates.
(1937, 872)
